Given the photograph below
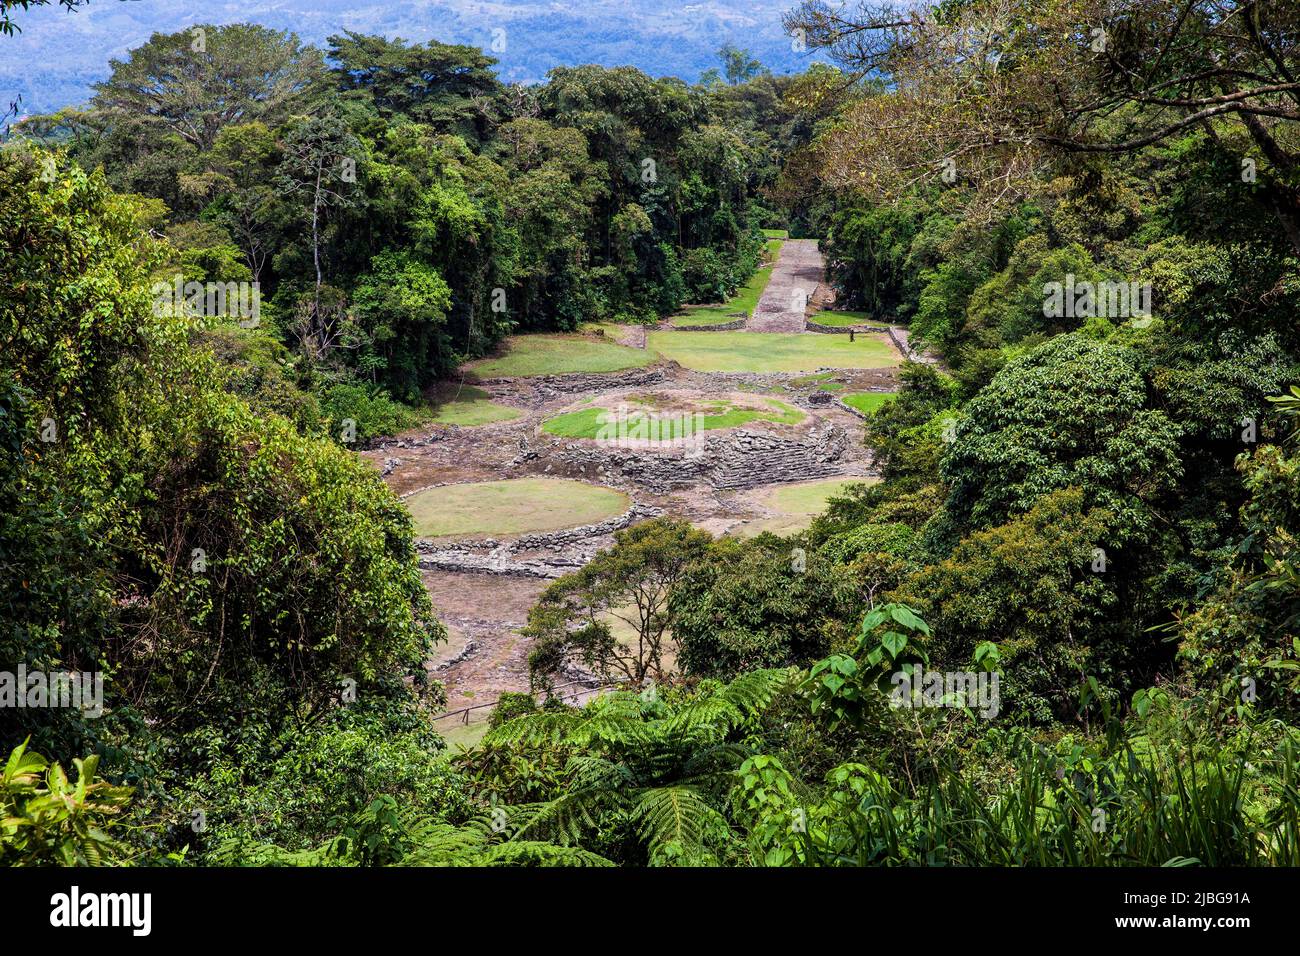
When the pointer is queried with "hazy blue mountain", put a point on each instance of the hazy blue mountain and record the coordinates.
(59, 54)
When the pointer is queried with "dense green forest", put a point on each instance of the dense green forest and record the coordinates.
(1087, 212)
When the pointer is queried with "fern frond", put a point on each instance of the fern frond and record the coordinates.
(532, 853)
(534, 730)
(716, 761)
(598, 773)
(674, 815)
(752, 693)
(703, 720)
(564, 819)
(440, 844)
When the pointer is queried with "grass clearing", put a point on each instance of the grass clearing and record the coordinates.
(809, 497)
(473, 406)
(770, 351)
(527, 355)
(597, 422)
(512, 506)
(468, 736)
(868, 402)
(797, 505)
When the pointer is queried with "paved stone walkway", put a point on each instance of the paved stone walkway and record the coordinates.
(795, 277)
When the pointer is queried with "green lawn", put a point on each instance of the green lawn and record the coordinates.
(868, 402)
(717, 413)
(842, 320)
(770, 352)
(797, 506)
(468, 736)
(515, 506)
(809, 497)
(777, 233)
(558, 355)
(472, 406)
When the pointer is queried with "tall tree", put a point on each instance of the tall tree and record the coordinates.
(319, 167)
(201, 80)
(441, 84)
(989, 90)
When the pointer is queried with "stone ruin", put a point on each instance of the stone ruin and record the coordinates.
(566, 550)
(736, 459)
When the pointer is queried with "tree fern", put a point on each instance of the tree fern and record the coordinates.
(676, 820)
(658, 765)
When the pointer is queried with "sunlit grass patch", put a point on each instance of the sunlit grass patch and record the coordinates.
(714, 414)
(514, 506)
(838, 319)
(472, 406)
(741, 351)
(868, 402)
(796, 506)
(558, 355)
(809, 497)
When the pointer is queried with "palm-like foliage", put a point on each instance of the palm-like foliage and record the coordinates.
(386, 834)
(652, 771)
(46, 819)
(1133, 807)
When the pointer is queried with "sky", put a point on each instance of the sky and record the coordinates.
(59, 54)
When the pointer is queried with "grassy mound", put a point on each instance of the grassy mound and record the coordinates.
(472, 406)
(810, 497)
(796, 505)
(770, 352)
(842, 320)
(514, 506)
(716, 413)
(559, 355)
(868, 402)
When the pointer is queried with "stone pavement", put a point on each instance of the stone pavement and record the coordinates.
(795, 277)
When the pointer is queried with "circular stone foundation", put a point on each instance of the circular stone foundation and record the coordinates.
(512, 506)
(652, 419)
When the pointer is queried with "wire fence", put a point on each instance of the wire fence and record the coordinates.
(586, 686)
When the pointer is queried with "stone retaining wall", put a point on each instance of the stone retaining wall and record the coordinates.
(586, 381)
(732, 326)
(812, 326)
(570, 549)
(734, 460)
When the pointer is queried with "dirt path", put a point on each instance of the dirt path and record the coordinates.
(795, 277)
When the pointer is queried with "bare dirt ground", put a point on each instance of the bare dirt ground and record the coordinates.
(483, 656)
(483, 612)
